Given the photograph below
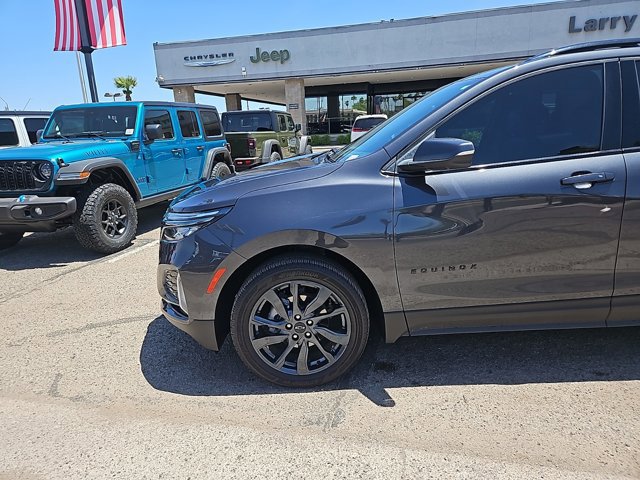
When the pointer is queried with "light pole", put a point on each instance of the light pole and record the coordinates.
(113, 95)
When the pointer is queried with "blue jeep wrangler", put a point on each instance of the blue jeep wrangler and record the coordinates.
(96, 163)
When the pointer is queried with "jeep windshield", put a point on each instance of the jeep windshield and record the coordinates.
(385, 132)
(92, 122)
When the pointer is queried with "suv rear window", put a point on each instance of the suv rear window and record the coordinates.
(210, 123)
(247, 121)
(33, 125)
(367, 123)
(8, 133)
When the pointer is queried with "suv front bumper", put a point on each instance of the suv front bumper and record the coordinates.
(30, 213)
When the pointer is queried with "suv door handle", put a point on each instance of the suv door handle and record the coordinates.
(176, 151)
(587, 179)
(200, 148)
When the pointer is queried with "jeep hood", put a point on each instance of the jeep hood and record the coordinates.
(223, 193)
(69, 151)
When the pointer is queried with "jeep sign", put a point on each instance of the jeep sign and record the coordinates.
(274, 55)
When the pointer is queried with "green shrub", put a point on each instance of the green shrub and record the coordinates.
(320, 140)
(344, 139)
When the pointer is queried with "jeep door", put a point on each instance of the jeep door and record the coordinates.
(286, 137)
(528, 234)
(192, 144)
(165, 162)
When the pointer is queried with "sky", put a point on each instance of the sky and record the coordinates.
(36, 77)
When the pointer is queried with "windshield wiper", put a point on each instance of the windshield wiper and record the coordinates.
(92, 133)
(57, 135)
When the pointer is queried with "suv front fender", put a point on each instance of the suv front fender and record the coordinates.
(78, 173)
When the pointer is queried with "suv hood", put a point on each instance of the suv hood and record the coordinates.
(223, 193)
(69, 151)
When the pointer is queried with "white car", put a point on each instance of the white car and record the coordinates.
(364, 123)
(19, 129)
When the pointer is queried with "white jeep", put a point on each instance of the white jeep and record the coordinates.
(19, 128)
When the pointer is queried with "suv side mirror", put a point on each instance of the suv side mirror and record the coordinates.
(439, 154)
(298, 127)
(39, 134)
(154, 131)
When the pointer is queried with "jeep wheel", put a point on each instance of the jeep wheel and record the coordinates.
(220, 171)
(275, 156)
(299, 321)
(9, 239)
(106, 219)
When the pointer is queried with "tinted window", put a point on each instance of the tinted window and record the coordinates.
(8, 134)
(188, 123)
(210, 123)
(33, 125)
(367, 123)
(630, 104)
(86, 122)
(554, 113)
(282, 122)
(407, 118)
(246, 121)
(161, 117)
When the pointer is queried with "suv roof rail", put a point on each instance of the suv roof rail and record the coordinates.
(588, 47)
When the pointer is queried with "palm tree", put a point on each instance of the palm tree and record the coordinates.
(126, 84)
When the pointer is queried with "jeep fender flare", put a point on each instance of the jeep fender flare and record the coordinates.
(72, 172)
(267, 147)
(211, 161)
(305, 141)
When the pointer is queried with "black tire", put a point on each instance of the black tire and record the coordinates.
(89, 220)
(275, 156)
(9, 239)
(302, 362)
(220, 171)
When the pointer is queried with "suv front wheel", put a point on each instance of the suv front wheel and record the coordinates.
(106, 220)
(300, 321)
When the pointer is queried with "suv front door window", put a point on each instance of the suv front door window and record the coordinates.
(508, 231)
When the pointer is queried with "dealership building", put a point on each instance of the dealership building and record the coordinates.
(324, 77)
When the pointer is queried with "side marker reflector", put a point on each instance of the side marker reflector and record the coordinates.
(216, 278)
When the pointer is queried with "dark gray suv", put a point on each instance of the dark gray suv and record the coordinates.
(508, 200)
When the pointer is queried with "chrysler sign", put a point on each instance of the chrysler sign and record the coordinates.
(208, 59)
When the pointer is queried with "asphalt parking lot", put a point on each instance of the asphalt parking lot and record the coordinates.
(94, 383)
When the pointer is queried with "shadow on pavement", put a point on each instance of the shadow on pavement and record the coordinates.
(171, 361)
(60, 248)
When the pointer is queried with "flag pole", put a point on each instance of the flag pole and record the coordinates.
(86, 49)
(83, 84)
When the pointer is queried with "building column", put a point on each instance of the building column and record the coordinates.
(294, 96)
(333, 112)
(234, 101)
(184, 93)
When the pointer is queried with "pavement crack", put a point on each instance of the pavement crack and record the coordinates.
(92, 326)
(53, 389)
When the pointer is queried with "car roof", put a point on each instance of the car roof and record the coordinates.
(373, 115)
(8, 113)
(138, 103)
(261, 110)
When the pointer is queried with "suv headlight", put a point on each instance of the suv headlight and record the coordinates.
(176, 226)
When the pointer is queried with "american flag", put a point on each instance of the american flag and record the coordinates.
(104, 19)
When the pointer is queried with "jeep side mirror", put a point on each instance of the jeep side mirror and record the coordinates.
(39, 134)
(154, 131)
(439, 154)
(298, 127)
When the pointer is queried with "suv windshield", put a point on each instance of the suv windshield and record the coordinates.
(377, 138)
(92, 122)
